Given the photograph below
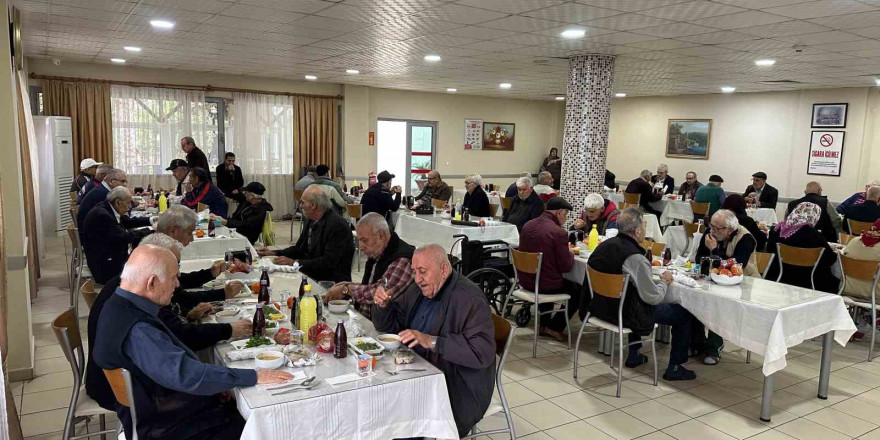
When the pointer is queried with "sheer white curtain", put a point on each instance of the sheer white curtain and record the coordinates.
(262, 140)
(147, 126)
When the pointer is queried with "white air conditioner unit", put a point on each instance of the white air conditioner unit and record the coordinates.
(55, 149)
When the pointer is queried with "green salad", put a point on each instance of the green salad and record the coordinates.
(367, 346)
(257, 341)
(271, 324)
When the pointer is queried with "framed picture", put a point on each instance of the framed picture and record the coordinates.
(688, 138)
(826, 152)
(829, 115)
(499, 136)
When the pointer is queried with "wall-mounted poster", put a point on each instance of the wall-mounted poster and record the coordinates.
(688, 138)
(829, 115)
(473, 134)
(498, 136)
(826, 153)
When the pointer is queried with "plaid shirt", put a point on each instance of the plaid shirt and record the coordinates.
(399, 275)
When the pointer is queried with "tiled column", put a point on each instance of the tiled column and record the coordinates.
(587, 116)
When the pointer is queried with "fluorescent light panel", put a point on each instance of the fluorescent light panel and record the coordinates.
(132, 48)
(573, 33)
(505, 85)
(728, 89)
(432, 58)
(117, 60)
(311, 77)
(162, 24)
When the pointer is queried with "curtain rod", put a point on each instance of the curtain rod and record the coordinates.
(208, 88)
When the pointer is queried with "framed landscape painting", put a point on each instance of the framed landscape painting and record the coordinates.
(829, 115)
(688, 138)
(499, 136)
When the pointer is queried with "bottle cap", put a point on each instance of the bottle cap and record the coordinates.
(308, 288)
(339, 322)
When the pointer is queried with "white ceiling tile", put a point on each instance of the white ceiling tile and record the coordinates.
(867, 32)
(529, 39)
(742, 20)
(629, 5)
(821, 38)
(821, 8)
(759, 4)
(330, 24)
(522, 24)
(301, 6)
(461, 14)
(492, 46)
(621, 38)
(480, 33)
(258, 13)
(849, 21)
(718, 37)
(850, 46)
(692, 10)
(303, 31)
(572, 13)
(675, 30)
(626, 22)
(759, 44)
(510, 6)
(663, 44)
(784, 29)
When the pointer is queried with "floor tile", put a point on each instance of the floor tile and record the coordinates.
(48, 352)
(577, 431)
(772, 434)
(796, 404)
(803, 429)
(688, 404)
(734, 424)
(518, 395)
(54, 365)
(742, 385)
(551, 364)
(781, 379)
(693, 429)
(657, 435)
(548, 386)
(721, 397)
(751, 409)
(46, 400)
(608, 394)
(43, 422)
(656, 414)
(586, 378)
(873, 435)
(537, 436)
(522, 370)
(582, 404)
(51, 381)
(858, 376)
(620, 425)
(544, 414)
(859, 408)
(841, 422)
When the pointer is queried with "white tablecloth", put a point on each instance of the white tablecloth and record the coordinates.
(766, 215)
(672, 210)
(458, 194)
(216, 247)
(675, 239)
(424, 229)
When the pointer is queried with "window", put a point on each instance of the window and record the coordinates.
(262, 138)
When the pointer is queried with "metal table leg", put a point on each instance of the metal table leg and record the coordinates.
(825, 367)
(767, 398)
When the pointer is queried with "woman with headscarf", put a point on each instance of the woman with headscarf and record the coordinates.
(864, 247)
(553, 164)
(737, 204)
(799, 230)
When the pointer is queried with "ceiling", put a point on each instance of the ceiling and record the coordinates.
(662, 46)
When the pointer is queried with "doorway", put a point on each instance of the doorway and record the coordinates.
(407, 150)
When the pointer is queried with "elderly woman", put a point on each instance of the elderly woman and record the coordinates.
(736, 203)
(475, 200)
(248, 219)
(598, 212)
(863, 248)
(799, 230)
(203, 191)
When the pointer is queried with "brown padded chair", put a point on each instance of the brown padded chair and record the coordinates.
(856, 227)
(631, 198)
(202, 207)
(354, 211)
(795, 256)
(506, 202)
(493, 209)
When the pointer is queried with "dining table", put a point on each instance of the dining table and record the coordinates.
(494, 199)
(225, 239)
(422, 229)
(675, 209)
(393, 401)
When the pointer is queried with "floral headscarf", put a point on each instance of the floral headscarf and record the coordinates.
(871, 236)
(805, 214)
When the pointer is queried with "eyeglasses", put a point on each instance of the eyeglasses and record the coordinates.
(716, 228)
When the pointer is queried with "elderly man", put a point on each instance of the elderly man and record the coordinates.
(646, 302)
(195, 157)
(511, 190)
(436, 188)
(324, 179)
(100, 173)
(324, 249)
(712, 193)
(306, 179)
(179, 169)
(381, 198)
(229, 178)
(176, 395)
(829, 221)
(203, 191)
(112, 179)
(545, 234)
(598, 212)
(179, 222)
(526, 206)
(647, 194)
(855, 199)
(726, 239)
(476, 202)
(760, 193)
(249, 217)
(867, 211)
(108, 233)
(688, 189)
(389, 262)
(445, 318)
(662, 181)
(544, 188)
(87, 169)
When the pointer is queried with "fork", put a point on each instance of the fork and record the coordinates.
(308, 388)
(395, 373)
(304, 383)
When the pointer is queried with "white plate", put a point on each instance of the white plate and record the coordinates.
(240, 344)
(725, 280)
(371, 340)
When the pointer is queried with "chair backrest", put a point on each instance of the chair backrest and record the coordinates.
(857, 227)
(624, 206)
(656, 248)
(437, 203)
(66, 328)
(202, 207)
(691, 228)
(493, 209)
(504, 334)
(864, 270)
(354, 211)
(118, 385)
(297, 195)
(631, 198)
(88, 292)
(844, 239)
(804, 257)
(606, 284)
(74, 213)
(73, 197)
(699, 208)
(526, 262)
(505, 202)
(762, 261)
(73, 234)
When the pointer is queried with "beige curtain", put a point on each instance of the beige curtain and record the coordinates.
(88, 105)
(316, 132)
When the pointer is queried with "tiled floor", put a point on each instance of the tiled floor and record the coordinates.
(548, 403)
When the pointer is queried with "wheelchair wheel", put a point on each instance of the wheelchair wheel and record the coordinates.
(494, 284)
(524, 315)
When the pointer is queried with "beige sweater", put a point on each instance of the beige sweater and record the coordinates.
(855, 249)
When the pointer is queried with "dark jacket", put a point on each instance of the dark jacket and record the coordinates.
(769, 196)
(324, 249)
(95, 196)
(824, 223)
(248, 219)
(609, 258)
(229, 181)
(441, 192)
(689, 190)
(210, 195)
(752, 226)
(197, 159)
(553, 165)
(106, 241)
(668, 182)
(545, 235)
(477, 203)
(521, 211)
(609, 180)
(806, 237)
(647, 193)
(465, 343)
(379, 200)
(606, 220)
(82, 179)
(511, 191)
(869, 211)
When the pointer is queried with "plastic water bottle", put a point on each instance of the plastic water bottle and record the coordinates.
(163, 202)
(458, 209)
(594, 239)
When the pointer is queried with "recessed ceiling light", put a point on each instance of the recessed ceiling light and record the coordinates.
(765, 62)
(162, 24)
(505, 85)
(560, 98)
(451, 90)
(432, 58)
(118, 60)
(728, 89)
(311, 77)
(573, 33)
(132, 48)
(352, 71)
(620, 95)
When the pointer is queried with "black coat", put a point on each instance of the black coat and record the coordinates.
(248, 219)
(806, 237)
(324, 249)
(197, 159)
(521, 211)
(95, 196)
(668, 182)
(768, 198)
(824, 223)
(609, 180)
(82, 179)
(647, 193)
(106, 241)
(379, 200)
(752, 226)
(477, 203)
(229, 181)
(865, 212)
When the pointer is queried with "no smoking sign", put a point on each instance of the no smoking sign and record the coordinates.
(826, 153)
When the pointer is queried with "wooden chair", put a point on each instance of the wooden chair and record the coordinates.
(802, 257)
(74, 213)
(505, 203)
(66, 328)
(528, 262)
(844, 238)
(613, 286)
(690, 229)
(857, 227)
(493, 209)
(437, 203)
(656, 248)
(505, 331)
(763, 260)
(862, 270)
(631, 198)
(624, 206)
(121, 384)
(354, 211)
(202, 207)
(88, 292)
(72, 198)
(699, 209)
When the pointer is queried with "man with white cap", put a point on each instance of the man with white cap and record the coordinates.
(87, 169)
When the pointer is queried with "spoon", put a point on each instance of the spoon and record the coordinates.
(303, 383)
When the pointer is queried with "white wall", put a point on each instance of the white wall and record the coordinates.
(769, 132)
